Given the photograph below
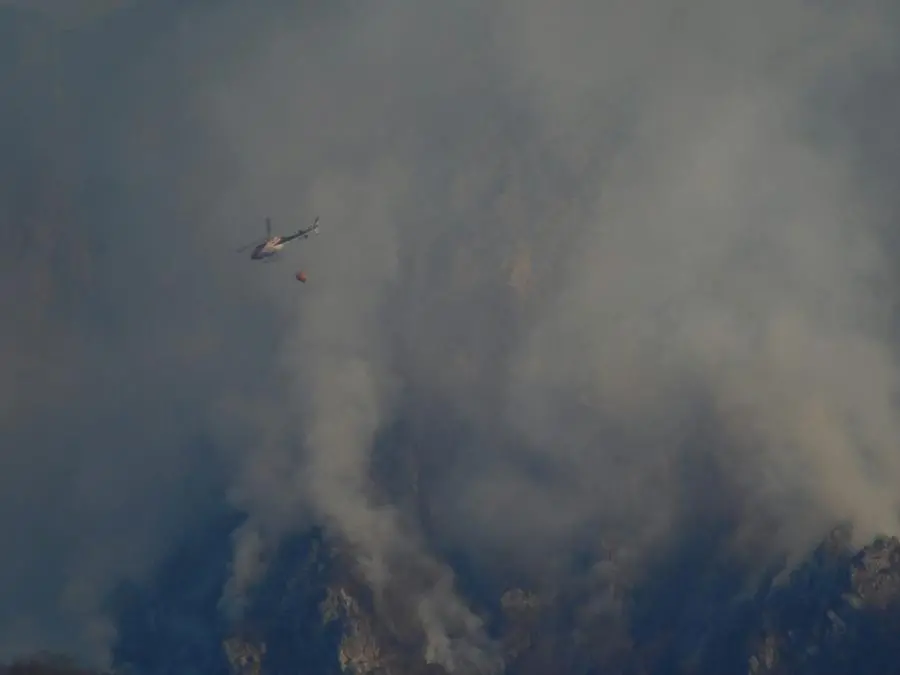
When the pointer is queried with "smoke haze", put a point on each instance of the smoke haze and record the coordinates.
(623, 264)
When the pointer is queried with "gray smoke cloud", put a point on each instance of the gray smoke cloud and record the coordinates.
(716, 265)
(603, 244)
(354, 146)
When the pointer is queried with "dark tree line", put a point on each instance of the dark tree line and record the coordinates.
(45, 665)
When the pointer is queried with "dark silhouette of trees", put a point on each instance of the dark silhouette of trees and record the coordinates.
(45, 664)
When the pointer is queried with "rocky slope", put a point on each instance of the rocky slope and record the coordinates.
(839, 612)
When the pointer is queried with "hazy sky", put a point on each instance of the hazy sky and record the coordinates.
(622, 265)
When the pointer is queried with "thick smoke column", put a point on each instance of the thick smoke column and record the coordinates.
(741, 291)
(339, 386)
(730, 270)
(706, 290)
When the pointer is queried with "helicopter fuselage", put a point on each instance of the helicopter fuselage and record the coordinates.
(267, 249)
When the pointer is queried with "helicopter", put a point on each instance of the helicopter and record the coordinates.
(267, 250)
